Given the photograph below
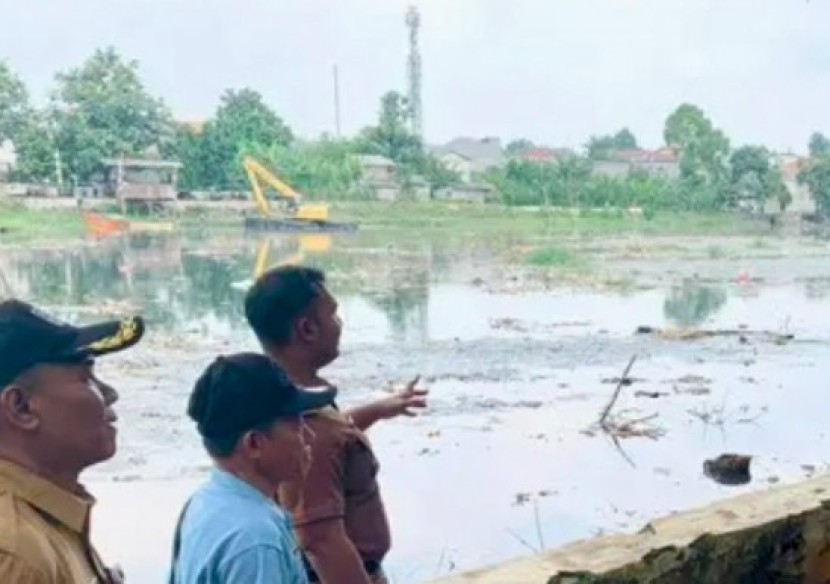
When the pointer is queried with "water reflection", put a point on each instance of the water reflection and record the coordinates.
(404, 290)
(294, 253)
(179, 282)
(404, 298)
(692, 303)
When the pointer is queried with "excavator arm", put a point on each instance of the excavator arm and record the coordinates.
(256, 173)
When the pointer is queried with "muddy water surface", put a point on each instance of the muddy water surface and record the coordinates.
(508, 458)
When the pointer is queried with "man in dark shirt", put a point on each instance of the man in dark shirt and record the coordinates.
(338, 511)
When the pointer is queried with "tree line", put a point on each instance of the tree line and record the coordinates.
(101, 109)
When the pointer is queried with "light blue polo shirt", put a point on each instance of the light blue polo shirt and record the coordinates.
(233, 534)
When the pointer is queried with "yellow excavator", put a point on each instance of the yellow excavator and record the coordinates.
(301, 216)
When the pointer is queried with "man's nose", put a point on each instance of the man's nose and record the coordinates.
(108, 392)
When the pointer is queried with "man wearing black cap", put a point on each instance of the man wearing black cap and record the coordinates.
(55, 421)
(250, 418)
(338, 510)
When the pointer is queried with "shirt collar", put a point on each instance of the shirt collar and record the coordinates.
(70, 509)
(227, 481)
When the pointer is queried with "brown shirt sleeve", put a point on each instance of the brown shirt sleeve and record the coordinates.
(320, 495)
(19, 571)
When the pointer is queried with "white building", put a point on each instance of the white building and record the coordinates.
(8, 159)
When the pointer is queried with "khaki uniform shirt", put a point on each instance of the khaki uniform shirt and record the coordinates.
(44, 532)
(341, 484)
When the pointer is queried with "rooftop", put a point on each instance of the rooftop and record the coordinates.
(641, 156)
(544, 154)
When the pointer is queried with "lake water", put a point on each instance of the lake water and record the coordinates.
(504, 461)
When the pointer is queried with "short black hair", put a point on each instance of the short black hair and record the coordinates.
(278, 297)
(224, 446)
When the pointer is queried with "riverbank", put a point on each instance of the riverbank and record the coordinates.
(60, 219)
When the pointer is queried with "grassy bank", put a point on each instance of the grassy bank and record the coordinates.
(473, 219)
(434, 218)
(19, 224)
(496, 218)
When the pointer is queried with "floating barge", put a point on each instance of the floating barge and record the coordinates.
(262, 224)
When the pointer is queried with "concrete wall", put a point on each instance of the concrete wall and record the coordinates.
(8, 158)
(385, 192)
(779, 536)
(621, 169)
(611, 168)
(803, 200)
(668, 170)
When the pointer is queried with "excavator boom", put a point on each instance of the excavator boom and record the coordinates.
(256, 173)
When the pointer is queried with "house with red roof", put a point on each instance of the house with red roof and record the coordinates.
(662, 162)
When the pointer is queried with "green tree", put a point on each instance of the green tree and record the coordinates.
(703, 148)
(101, 109)
(817, 177)
(26, 128)
(517, 147)
(522, 182)
(572, 172)
(437, 174)
(188, 147)
(35, 148)
(819, 145)
(752, 178)
(391, 137)
(242, 120)
(14, 103)
(324, 169)
(601, 147)
(625, 139)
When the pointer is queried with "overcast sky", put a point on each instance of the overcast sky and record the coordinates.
(554, 71)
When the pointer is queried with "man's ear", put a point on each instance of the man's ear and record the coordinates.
(306, 328)
(16, 408)
(251, 443)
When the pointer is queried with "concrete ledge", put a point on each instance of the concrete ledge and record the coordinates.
(781, 535)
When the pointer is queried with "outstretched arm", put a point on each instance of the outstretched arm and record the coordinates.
(401, 403)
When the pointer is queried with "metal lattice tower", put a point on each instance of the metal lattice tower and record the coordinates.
(413, 22)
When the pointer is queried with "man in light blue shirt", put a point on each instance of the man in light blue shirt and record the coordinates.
(250, 418)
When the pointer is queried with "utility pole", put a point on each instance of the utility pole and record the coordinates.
(336, 101)
(58, 169)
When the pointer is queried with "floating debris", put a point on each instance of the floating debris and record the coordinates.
(728, 469)
(650, 394)
(691, 334)
(522, 499)
(625, 382)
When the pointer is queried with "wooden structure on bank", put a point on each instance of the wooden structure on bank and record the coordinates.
(141, 184)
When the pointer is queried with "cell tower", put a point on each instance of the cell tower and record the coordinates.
(413, 22)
